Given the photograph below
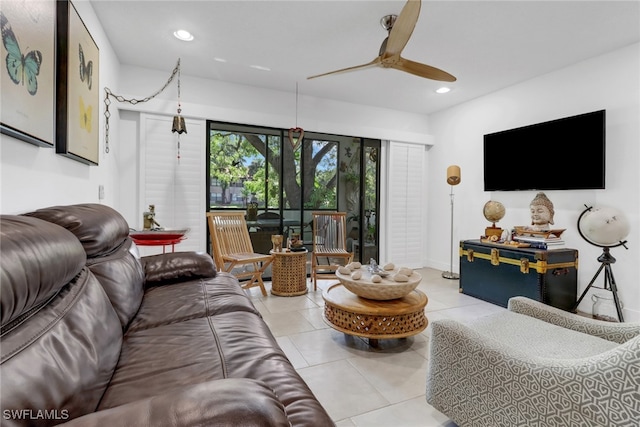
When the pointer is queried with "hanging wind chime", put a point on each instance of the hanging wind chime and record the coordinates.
(178, 121)
(295, 142)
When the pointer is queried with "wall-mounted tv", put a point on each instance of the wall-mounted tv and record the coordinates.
(563, 154)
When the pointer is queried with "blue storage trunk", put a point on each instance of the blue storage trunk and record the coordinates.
(496, 272)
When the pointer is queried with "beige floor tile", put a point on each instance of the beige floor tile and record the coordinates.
(277, 304)
(415, 412)
(327, 345)
(360, 385)
(292, 352)
(287, 323)
(397, 376)
(342, 390)
(314, 316)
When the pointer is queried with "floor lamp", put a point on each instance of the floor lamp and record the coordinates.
(453, 178)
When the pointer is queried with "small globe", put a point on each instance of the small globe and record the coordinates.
(493, 211)
(604, 226)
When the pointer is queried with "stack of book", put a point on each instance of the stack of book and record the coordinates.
(540, 242)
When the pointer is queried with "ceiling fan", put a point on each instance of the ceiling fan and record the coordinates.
(400, 28)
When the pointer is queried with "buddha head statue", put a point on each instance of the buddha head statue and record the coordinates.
(541, 212)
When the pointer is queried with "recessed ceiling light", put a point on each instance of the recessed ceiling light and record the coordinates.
(183, 35)
(219, 59)
(260, 67)
(443, 89)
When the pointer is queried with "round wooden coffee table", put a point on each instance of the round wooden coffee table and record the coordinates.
(289, 273)
(398, 318)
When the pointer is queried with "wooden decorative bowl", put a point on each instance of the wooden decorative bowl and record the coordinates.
(387, 289)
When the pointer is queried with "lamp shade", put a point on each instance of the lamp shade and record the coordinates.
(453, 175)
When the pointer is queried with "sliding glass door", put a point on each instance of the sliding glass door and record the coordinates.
(279, 183)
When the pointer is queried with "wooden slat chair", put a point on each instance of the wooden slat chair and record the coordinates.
(330, 242)
(231, 247)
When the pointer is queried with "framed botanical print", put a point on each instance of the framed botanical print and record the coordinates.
(27, 77)
(77, 130)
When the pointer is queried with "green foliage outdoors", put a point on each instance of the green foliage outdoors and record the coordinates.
(240, 159)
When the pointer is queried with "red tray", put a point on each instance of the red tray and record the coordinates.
(158, 235)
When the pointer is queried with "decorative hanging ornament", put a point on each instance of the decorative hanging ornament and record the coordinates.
(178, 121)
(295, 142)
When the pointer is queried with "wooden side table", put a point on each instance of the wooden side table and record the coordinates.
(289, 273)
(399, 318)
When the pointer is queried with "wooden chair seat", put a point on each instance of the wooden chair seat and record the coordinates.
(324, 251)
(232, 248)
(329, 245)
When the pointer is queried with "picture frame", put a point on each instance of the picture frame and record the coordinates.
(27, 78)
(77, 97)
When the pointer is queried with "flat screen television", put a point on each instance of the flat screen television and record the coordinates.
(562, 154)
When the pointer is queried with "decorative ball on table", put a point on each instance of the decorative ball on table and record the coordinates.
(493, 211)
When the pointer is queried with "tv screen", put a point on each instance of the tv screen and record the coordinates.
(562, 154)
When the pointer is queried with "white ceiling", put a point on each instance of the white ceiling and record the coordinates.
(487, 45)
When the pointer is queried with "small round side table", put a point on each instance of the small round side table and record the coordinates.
(289, 273)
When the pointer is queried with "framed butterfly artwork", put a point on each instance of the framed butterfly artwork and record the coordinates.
(27, 74)
(77, 106)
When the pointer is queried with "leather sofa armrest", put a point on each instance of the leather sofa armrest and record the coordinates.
(175, 267)
(234, 401)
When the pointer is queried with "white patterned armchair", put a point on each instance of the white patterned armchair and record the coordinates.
(535, 365)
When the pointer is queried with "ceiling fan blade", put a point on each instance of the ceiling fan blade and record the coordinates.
(422, 70)
(375, 62)
(402, 28)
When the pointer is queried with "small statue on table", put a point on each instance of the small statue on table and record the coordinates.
(295, 243)
(149, 219)
(276, 240)
(541, 213)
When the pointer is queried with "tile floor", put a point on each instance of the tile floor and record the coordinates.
(357, 384)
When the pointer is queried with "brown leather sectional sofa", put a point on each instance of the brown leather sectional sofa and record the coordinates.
(94, 335)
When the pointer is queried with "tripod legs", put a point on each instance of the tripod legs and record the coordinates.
(609, 282)
(614, 290)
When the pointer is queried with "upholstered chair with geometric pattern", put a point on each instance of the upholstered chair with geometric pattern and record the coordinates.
(535, 365)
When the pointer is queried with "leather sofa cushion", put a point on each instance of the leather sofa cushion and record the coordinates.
(229, 345)
(163, 305)
(99, 228)
(61, 357)
(231, 402)
(38, 258)
(175, 267)
(112, 256)
(122, 278)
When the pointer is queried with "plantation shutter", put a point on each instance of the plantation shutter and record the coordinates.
(175, 186)
(406, 205)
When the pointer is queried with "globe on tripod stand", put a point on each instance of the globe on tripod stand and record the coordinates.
(605, 227)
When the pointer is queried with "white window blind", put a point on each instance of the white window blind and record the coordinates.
(175, 186)
(406, 206)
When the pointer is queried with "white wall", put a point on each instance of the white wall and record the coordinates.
(608, 82)
(33, 177)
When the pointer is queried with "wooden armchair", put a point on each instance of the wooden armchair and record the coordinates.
(330, 242)
(232, 248)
